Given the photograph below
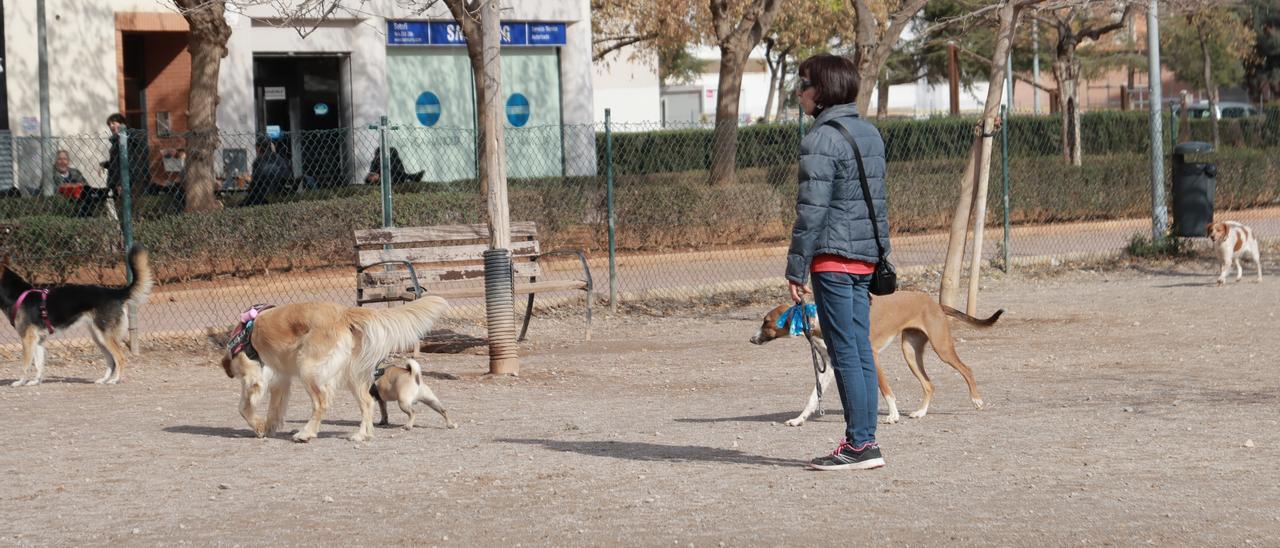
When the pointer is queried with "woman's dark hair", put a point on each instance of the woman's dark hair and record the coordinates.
(116, 117)
(835, 77)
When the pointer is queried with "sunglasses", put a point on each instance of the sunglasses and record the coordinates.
(803, 83)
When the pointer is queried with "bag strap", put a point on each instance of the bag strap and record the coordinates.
(862, 178)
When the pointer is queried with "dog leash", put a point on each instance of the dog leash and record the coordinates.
(818, 368)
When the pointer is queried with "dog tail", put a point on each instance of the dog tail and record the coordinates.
(970, 319)
(416, 369)
(140, 287)
(386, 330)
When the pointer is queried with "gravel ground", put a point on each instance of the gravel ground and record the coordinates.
(1129, 406)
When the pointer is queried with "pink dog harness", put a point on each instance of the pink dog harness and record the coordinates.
(44, 308)
(240, 338)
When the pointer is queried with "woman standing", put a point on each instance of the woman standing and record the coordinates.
(833, 239)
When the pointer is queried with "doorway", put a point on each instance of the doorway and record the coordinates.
(299, 103)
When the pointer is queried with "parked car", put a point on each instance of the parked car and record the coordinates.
(1226, 109)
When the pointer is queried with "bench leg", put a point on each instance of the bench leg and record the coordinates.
(528, 313)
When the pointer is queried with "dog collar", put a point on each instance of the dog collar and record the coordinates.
(793, 320)
(44, 308)
(241, 340)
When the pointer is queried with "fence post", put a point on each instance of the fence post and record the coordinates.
(1004, 164)
(126, 230)
(608, 170)
(385, 175)
(1173, 126)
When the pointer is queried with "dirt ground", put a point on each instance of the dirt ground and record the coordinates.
(1128, 406)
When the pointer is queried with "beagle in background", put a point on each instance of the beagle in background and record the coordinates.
(1233, 240)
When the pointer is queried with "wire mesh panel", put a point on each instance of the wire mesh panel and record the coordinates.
(249, 218)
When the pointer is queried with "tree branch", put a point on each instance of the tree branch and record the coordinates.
(619, 42)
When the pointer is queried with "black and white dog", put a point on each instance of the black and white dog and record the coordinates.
(38, 312)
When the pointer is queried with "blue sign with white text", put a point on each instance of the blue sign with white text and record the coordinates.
(515, 34)
(518, 110)
(546, 34)
(428, 108)
(448, 33)
(407, 33)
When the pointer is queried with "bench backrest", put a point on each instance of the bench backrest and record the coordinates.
(440, 253)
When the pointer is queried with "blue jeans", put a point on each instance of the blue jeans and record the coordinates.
(844, 312)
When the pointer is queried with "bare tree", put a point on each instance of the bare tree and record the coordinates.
(208, 45)
(973, 184)
(877, 38)
(1074, 24)
(738, 26)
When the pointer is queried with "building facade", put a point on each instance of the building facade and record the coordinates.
(370, 60)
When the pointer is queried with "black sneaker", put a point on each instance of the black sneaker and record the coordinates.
(846, 457)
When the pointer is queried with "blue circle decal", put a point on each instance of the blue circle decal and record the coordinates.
(518, 110)
(428, 109)
(320, 109)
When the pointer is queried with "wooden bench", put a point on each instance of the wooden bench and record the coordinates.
(401, 264)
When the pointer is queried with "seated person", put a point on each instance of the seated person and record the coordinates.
(71, 183)
(70, 180)
(398, 174)
(269, 176)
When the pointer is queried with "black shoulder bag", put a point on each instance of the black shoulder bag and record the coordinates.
(884, 280)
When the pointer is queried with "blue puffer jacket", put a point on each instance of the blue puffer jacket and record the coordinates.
(831, 214)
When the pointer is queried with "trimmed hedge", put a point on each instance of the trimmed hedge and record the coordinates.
(763, 145)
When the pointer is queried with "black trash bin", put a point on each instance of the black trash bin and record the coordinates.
(1193, 187)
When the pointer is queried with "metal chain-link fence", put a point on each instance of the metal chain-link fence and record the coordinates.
(273, 222)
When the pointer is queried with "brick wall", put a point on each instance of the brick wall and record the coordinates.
(167, 76)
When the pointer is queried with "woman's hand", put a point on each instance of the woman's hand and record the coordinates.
(797, 290)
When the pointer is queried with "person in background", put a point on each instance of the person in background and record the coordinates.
(71, 183)
(834, 240)
(269, 174)
(398, 173)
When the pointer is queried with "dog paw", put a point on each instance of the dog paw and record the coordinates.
(794, 422)
(359, 437)
(303, 437)
(977, 404)
(450, 425)
(918, 414)
(407, 427)
(19, 382)
(100, 381)
(892, 418)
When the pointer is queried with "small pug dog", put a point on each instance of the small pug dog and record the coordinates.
(403, 385)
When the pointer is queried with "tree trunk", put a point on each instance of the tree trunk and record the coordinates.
(773, 90)
(782, 88)
(1210, 88)
(461, 11)
(724, 144)
(1067, 72)
(882, 103)
(973, 193)
(863, 53)
(208, 45)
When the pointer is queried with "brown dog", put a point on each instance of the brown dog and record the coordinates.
(912, 316)
(405, 387)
